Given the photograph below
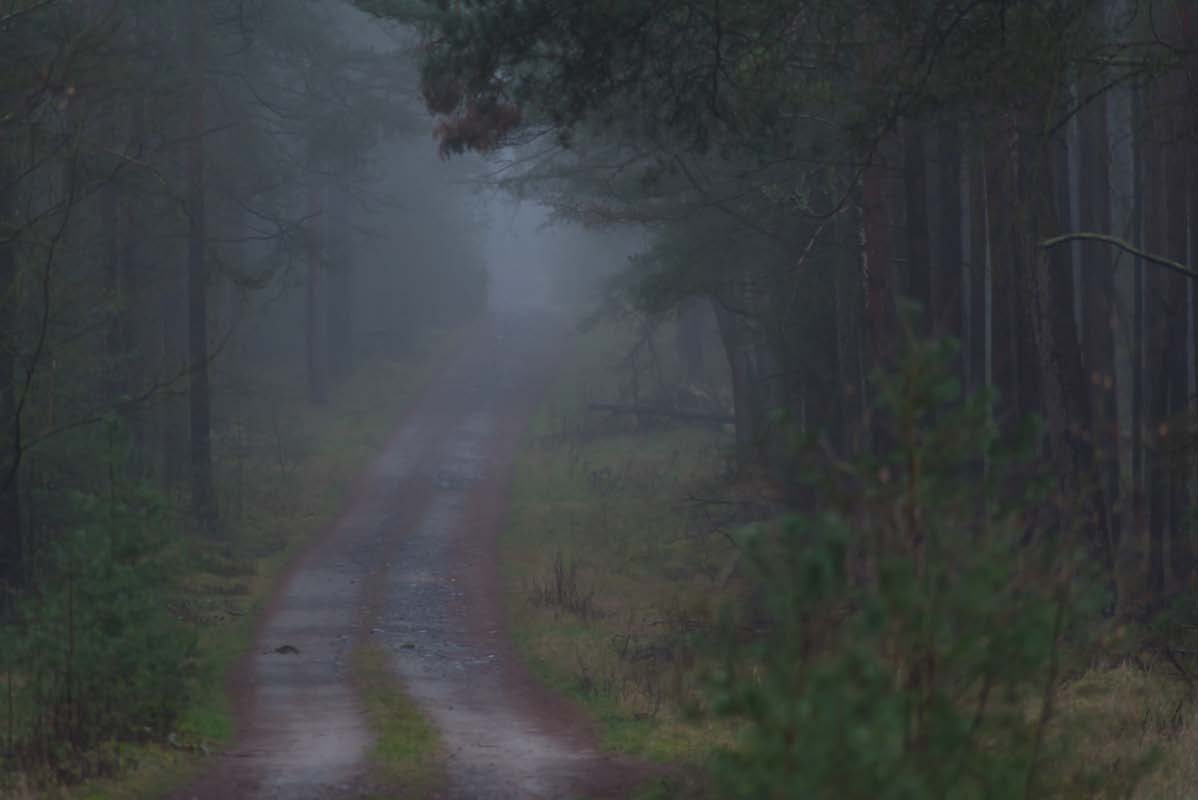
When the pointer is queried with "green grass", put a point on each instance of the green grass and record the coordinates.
(291, 487)
(408, 758)
(612, 578)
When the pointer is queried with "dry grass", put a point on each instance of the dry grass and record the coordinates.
(614, 576)
(611, 592)
(1134, 727)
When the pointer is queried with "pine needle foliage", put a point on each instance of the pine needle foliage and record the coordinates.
(907, 639)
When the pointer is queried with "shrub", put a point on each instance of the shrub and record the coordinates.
(913, 629)
(94, 654)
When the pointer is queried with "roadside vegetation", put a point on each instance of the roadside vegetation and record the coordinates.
(948, 252)
(617, 553)
(194, 604)
(703, 626)
(228, 261)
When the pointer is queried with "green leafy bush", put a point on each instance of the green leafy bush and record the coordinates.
(910, 633)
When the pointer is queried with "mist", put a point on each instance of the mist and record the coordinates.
(700, 400)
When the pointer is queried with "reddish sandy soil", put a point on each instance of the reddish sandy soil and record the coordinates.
(412, 565)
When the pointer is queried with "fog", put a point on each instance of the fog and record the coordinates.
(700, 400)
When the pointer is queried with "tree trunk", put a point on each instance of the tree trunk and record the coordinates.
(977, 336)
(745, 401)
(1068, 364)
(12, 551)
(877, 266)
(203, 492)
(132, 276)
(849, 302)
(1004, 356)
(950, 303)
(1098, 290)
(1050, 358)
(689, 339)
(1177, 363)
(1155, 366)
(1138, 415)
(110, 215)
(340, 312)
(919, 259)
(314, 329)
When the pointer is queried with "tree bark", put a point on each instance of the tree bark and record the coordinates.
(950, 305)
(1138, 416)
(689, 339)
(919, 259)
(745, 401)
(977, 337)
(1000, 199)
(1177, 362)
(1155, 365)
(877, 266)
(340, 312)
(1068, 364)
(1050, 358)
(203, 492)
(1098, 294)
(12, 551)
(314, 327)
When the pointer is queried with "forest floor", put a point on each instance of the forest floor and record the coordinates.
(616, 559)
(408, 582)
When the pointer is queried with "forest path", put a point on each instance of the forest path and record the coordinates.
(412, 567)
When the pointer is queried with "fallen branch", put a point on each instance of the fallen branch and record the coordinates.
(668, 413)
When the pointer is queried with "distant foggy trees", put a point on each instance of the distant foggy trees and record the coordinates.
(203, 493)
(809, 168)
(192, 191)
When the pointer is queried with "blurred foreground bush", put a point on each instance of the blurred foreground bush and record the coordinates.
(905, 641)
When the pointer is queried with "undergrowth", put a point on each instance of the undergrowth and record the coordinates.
(280, 487)
(616, 560)
(625, 543)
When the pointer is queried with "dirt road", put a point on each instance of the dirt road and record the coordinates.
(412, 565)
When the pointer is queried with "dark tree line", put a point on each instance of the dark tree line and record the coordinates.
(170, 174)
(219, 221)
(1022, 174)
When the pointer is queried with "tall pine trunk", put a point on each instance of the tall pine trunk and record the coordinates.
(1000, 198)
(977, 334)
(203, 492)
(919, 259)
(877, 265)
(1098, 305)
(951, 304)
(340, 295)
(12, 554)
(1177, 362)
(1155, 361)
(745, 399)
(313, 322)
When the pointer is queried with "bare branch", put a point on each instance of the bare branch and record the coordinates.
(1115, 241)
